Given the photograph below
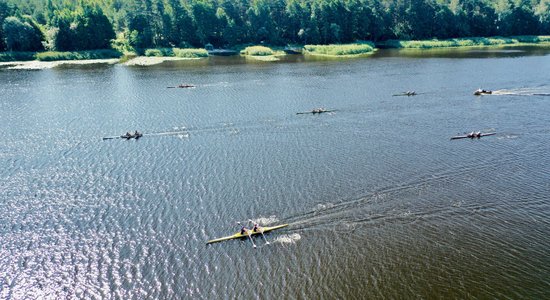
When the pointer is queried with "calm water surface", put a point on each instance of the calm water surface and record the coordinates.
(381, 204)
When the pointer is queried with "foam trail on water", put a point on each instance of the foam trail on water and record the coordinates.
(266, 220)
(288, 238)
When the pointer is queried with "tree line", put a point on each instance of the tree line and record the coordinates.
(72, 25)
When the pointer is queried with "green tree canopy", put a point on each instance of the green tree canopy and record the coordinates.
(20, 35)
(141, 24)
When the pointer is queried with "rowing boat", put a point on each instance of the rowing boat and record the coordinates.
(407, 93)
(480, 92)
(239, 235)
(469, 136)
(315, 111)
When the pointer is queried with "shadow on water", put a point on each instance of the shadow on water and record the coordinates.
(467, 52)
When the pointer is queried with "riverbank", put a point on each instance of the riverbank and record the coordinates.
(46, 60)
(40, 65)
(466, 42)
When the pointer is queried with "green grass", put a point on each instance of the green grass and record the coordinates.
(16, 56)
(340, 50)
(77, 55)
(190, 52)
(536, 39)
(465, 42)
(257, 51)
(177, 52)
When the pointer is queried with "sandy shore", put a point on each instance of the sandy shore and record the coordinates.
(152, 60)
(40, 65)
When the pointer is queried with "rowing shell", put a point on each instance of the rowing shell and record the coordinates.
(469, 137)
(238, 235)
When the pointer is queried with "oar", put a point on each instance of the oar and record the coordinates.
(262, 232)
(249, 235)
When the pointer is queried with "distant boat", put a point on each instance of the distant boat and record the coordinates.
(407, 93)
(184, 86)
(319, 110)
(479, 92)
(472, 135)
(136, 135)
(181, 86)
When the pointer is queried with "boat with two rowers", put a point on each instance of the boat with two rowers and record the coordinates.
(136, 135)
(319, 110)
(407, 93)
(247, 233)
(472, 135)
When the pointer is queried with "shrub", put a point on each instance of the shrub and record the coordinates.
(16, 56)
(177, 52)
(159, 52)
(75, 55)
(340, 50)
(257, 51)
(466, 42)
(190, 53)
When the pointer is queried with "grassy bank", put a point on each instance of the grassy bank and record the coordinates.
(77, 55)
(262, 53)
(177, 52)
(340, 50)
(467, 42)
(16, 56)
(257, 51)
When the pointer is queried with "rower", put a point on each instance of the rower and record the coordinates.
(244, 230)
(256, 228)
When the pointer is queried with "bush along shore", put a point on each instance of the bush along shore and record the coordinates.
(55, 55)
(177, 52)
(340, 50)
(467, 42)
(78, 55)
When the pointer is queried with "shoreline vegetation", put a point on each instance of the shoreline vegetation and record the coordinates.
(525, 40)
(345, 50)
(157, 26)
(50, 59)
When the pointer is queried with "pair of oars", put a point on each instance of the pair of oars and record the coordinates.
(248, 231)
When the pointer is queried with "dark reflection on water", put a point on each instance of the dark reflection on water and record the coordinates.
(381, 204)
(470, 52)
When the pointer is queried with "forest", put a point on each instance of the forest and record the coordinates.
(135, 25)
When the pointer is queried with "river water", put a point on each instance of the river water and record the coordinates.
(380, 202)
